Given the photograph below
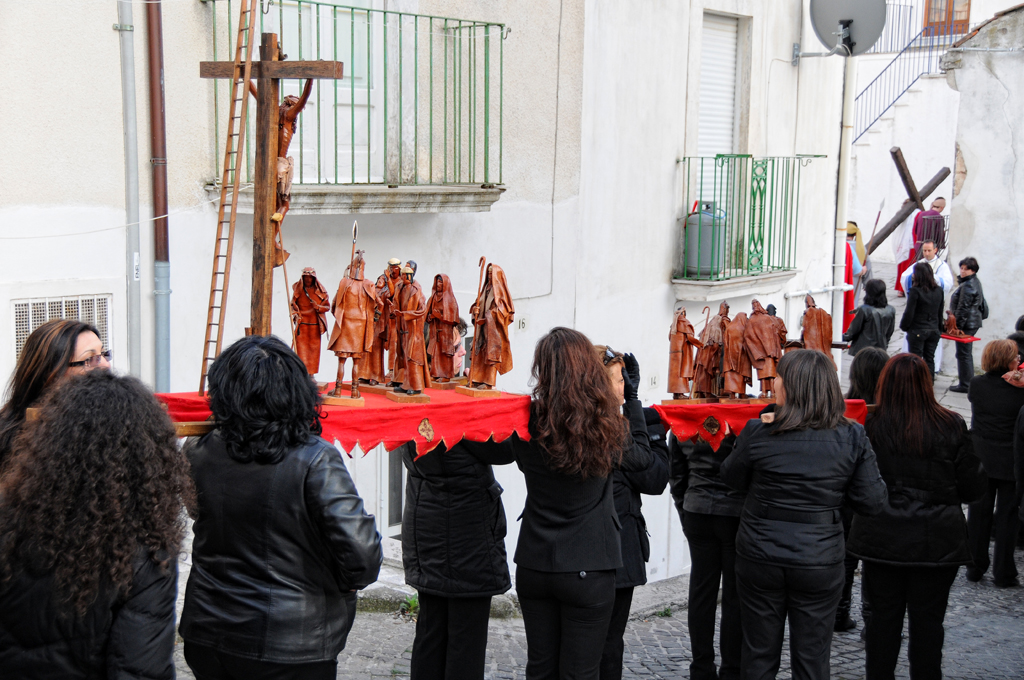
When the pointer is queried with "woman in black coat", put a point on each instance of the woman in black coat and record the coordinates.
(569, 546)
(922, 319)
(995, 404)
(798, 466)
(914, 547)
(874, 322)
(453, 550)
(91, 523)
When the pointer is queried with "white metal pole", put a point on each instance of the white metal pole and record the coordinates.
(842, 189)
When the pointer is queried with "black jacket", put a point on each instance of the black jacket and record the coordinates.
(278, 552)
(1018, 457)
(924, 311)
(696, 481)
(995, 405)
(796, 483)
(627, 487)
(453, 525)
(117, 638)
(569, 523)
(968, 304)
(922, 523)
(871, 327)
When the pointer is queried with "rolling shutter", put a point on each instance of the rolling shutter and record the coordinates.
(717, 120)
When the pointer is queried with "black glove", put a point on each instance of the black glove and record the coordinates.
(631, 376)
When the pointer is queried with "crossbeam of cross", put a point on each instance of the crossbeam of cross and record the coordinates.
(915, 197)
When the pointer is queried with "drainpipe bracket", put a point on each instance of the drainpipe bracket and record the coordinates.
(123, 27)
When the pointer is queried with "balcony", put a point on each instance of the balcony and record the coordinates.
(415, 125)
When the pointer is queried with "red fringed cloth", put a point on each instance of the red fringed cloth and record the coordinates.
(448, 418)
(712, 422)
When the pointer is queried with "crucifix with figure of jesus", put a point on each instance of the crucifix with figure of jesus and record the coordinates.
(275, 124)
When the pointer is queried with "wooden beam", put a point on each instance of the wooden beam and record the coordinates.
(194, 428)
(904, 173)
(265, 191)
(322, 70)
(905, 210)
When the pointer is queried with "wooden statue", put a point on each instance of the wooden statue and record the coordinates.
(411, 312)
(492, 313)
(708, 367)
(372, 372)
(761, 338)
(951, 328)
(682, 339)
(392, 281)
(310, 302)
(817, 331)
(354, 308)
(443, 317)
(736, 369)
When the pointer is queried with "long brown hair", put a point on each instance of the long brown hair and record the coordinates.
(814, 400)
(43, 362)
(574, 414)
(91, 486)
(907, 419)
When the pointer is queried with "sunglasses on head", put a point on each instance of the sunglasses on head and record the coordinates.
(610, 355)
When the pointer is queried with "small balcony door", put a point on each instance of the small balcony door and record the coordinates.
(947, 17)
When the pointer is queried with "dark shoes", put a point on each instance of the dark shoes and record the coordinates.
(844, 623)
(1012, 583)
(974, 575)
(960, 389)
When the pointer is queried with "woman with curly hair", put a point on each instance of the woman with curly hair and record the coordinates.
(56, 349)
(90, 526)
(569, 546)
(282, 542)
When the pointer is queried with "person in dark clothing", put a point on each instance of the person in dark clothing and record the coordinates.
(922, 319)
(282, 542)
(709, 511)
(914, 547)
(970, 308)
(627, 487)
(874, 322)
(1018, 335)
(91, 523)
(798, 466)
(569, 546)
(453, 550)
(995, 405)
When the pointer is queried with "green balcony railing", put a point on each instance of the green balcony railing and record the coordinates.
(420, 103)
(741, 216)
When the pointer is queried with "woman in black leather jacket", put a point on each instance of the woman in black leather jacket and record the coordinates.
(282, 542)
(922, 319)
(798, 466)
(914, 547)
(875, 321)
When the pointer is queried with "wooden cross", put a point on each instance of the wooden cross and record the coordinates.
(268, 73)
(915, 198)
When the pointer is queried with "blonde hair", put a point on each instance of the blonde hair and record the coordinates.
(999, 354)
(608, 356)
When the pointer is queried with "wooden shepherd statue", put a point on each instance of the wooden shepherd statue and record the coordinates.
(817, 328)
(310, 302)
(411, 312)
(443, 317)
(493, 312)
(737, 373)
(372, 372)
(682, 339)
(762, 340)
(354, 307)
(708, 367)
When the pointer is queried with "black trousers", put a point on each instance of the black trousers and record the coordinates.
(965, 358)
(1002, 498)
(208, 663)
(611, 657)
(712, 543)
(566, 616)
(451, 638)
(923, 344)
(920, 593)
(769, 594)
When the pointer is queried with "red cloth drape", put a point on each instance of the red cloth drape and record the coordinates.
(712, 422)
(449, 418)
(848, 296)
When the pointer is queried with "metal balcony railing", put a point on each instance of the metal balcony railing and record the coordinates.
(420, 103)
(741, 216)
(902, 23)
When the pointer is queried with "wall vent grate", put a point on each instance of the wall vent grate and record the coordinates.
(31, 313)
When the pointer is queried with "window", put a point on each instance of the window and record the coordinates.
(717, 132)
(31, 313)
(944, 17)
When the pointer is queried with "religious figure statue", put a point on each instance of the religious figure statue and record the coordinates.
(387, 286)
(443, 317)
(310, 302)
(682, 339)
(817, 328)
(354, 308)
(411, 312)
(709, 357)
(492, 314)
(951, 328)
(761, 338)
(736, 370)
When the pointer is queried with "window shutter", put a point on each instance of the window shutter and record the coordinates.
(717, 119)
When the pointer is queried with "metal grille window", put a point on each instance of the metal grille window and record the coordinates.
(420, 103)
(31, 313)
(741, 216)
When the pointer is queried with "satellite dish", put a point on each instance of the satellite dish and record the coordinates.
(863, 19)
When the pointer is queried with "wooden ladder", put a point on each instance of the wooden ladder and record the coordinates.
(229, 183)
